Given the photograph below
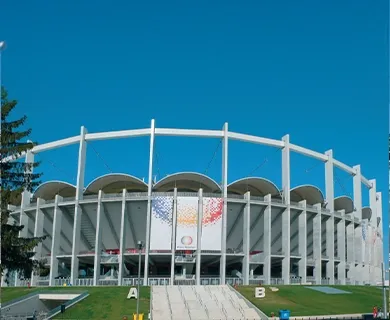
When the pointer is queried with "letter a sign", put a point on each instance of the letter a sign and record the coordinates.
(133, 293)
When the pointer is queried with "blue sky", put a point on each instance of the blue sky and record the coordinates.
(317, 70)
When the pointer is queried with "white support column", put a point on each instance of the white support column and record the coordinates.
(341, 248)
(302, 242)
(374, 221)
(267, 240)
(38, 232)
(122, 239)
(357, 201)
(56, 239)
(174, 225)
(350, 230)
(380, 229)
(199, 236)
(98, 240)
(74, 272)
(317, 242)
(286, 216)
(246, 238)
(149, 205)
(329, 187)
(224, 211)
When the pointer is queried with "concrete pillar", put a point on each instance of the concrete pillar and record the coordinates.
(350, 230)
(329, 186)
(317, 241)
(122, 239)
(341, 248)
(98, 240)
(302, 242)
(174, 225)
(286, 216)
(246, 238)
(267, 250)
(74, 272)
(199, 236)
(38, 232)
(149, 204)
(56, 240)
(225, 196)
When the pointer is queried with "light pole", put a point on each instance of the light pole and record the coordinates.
(139, 245)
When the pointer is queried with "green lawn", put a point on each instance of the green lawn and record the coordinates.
(306, 302)
(102, 302)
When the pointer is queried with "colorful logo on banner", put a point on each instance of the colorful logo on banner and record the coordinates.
(212, 212)
(187, 240)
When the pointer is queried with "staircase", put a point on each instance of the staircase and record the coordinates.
(199, 303)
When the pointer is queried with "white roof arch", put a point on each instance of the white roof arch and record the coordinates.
(366, 213)
(115, 183)
(310, 193)
(48, 190)
(189, 181)
(344, 203)
(256, 185)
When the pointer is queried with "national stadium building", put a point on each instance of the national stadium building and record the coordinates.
(196, 231)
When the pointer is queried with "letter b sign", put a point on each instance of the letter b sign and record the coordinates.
(259, 292)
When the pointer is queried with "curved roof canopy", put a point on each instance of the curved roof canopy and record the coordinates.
(257, 187)
(115, 183)
(366, 213)
(187, 181)
(344, 203)
(48, 190)
(310, 193)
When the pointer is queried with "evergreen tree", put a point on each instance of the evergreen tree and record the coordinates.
(16, 177)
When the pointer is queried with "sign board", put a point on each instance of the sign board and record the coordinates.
(259, 292)
(133, 293)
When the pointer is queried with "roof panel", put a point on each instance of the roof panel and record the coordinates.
(257, 187)
(188, 181)
(312, 194)
(115, 183)
(344, 203)
(48, 190)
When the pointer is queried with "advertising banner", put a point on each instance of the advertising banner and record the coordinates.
(161, 223)
(212, 223)
(187, 213)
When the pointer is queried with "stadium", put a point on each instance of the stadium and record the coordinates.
(194, 230)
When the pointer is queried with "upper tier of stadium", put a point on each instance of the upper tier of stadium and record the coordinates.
(192, 182)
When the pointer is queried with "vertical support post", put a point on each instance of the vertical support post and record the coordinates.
(374, 221)
(286, 215)
(174, 226)
(224, 194)
(357, 200)
(350, 230)
(302, 242)
(148, 209)
(38, 232)
(246, 238)
(317, 242)
(380, 226)
(122, 240)
(77, 209)
(267, 240)
(329, 187)
(341, 248)
(199, 236)
(98, 241)
(56, 239)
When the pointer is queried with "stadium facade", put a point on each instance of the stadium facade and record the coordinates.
(197, 231)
